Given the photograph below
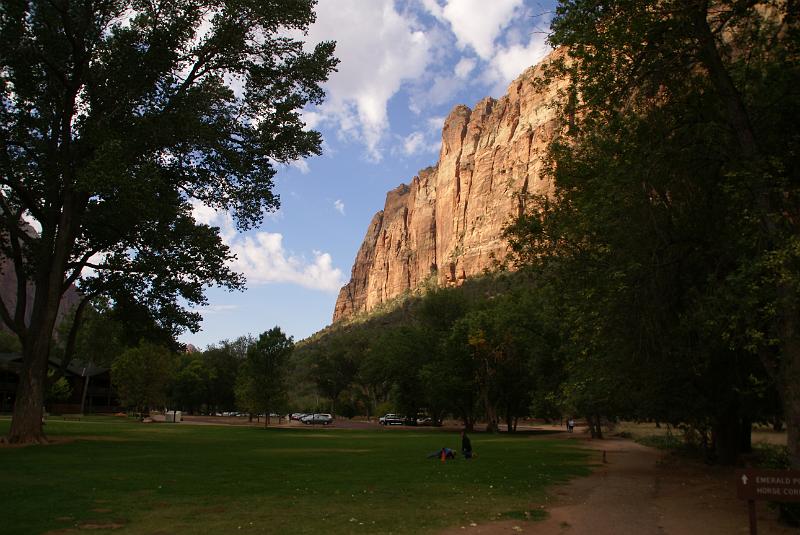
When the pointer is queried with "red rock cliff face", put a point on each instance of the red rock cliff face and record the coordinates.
(446, 225)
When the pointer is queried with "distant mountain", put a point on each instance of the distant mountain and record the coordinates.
(446, 225)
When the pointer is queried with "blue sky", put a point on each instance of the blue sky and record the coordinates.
(403, 66)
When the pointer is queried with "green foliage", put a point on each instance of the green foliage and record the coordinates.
(139, 152)
(101, 335)
(222, 363)
(772, 456)
(142, 375)
(419, 358)
(673, 179)
(188, 389)
(261, 383)
(57, 389)
(117, 121)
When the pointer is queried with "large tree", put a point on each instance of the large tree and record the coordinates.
(674, 223)
(119, 116)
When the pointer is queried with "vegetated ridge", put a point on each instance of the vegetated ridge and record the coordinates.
(447, 224)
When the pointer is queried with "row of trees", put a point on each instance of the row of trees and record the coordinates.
(449, 352)
(246, 374)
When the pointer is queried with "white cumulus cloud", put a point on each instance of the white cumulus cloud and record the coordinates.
(380, 49)
(511, 61)
(339, 206)
(413, 142)
(262, 258)
(436, 124)
(464, 67)
(301, 165)
(476, 23)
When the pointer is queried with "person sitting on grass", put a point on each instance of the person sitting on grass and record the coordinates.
(447, 453)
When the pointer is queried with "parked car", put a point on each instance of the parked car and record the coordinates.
(319, 418)
(296, 416)
(392, 419)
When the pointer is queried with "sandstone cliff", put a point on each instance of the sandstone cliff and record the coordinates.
(446, 225)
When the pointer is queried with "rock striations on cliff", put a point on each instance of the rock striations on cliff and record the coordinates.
(447, 224)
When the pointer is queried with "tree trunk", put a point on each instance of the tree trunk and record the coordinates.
(736, 112)
(469, 424)
(595, 426)
(777, 424)
(791, 389)
(491, 411)
(26, 423)
(727, 436)
(72, 338)
(746, 436)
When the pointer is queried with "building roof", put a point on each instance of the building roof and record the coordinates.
(13, 362)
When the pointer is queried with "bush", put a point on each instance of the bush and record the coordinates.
(771, 456)
(775, 457)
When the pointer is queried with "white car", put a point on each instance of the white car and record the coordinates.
(391, 419)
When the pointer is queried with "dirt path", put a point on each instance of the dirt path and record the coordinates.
(641, 491)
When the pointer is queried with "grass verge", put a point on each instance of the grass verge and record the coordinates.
(107, 475)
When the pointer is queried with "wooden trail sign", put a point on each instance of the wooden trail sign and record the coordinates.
(771, 485)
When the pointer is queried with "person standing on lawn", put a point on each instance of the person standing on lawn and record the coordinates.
(466, 445)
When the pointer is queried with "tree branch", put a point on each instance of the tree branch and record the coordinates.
(72, 337)
(77, 268)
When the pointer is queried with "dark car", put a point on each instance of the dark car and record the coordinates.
(318, 418)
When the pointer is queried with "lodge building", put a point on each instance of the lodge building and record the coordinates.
(90, 387)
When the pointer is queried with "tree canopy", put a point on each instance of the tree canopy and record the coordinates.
(261, 385)
(119, 117)
(672, 235)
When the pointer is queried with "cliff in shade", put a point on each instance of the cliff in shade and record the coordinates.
(8, 291)
(446, 225)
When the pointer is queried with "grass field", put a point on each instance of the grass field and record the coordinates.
(107, 475)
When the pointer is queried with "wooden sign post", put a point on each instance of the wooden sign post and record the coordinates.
(770, 485)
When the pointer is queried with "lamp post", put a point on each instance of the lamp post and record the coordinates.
(85, 388)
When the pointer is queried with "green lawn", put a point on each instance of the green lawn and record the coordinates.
(180, 479)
